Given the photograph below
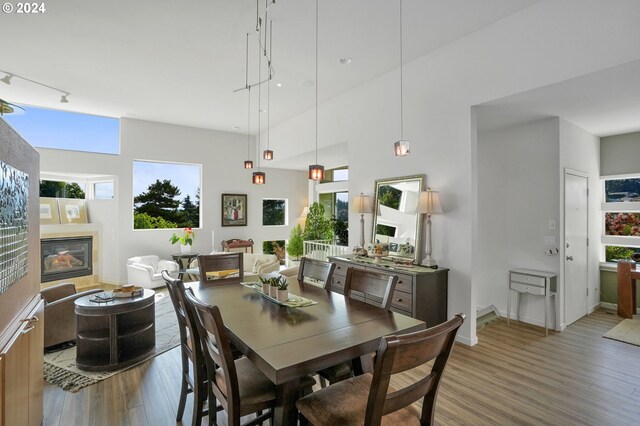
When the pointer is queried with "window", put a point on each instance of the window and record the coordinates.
(103, 190)
(336, 175)
(62, 189)
(274, 212)
(621, 216)
(336, 204)
(166, 195)
(47, 128)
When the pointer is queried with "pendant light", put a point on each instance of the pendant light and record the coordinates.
(248, 164)
(401, 147)
(259, 177)
(268, 153)
(316, 171)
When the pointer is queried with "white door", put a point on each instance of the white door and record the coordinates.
(575, 238)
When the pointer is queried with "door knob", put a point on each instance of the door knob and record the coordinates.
(569, 257)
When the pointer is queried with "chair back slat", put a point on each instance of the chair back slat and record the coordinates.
(316, 272)
(404, 352)
(372, 287)
(217, 351)
(212, 265)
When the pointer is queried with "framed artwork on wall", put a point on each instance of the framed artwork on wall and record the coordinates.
(234, 209)
(72, 210)
(49, 214)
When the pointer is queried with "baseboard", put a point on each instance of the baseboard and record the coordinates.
(467, 341)
(487, 309)
(614, 307)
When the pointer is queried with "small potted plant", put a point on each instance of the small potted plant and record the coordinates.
(273, 287)
(185, 240)
(283, 292)
(265, 284)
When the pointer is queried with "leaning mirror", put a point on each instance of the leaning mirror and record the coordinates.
(395, 220)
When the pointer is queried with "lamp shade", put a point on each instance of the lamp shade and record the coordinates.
(305, 212)
(259, 178)
(362, 204)
(429, 202)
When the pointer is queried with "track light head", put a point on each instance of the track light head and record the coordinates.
(63, 99)
(7, 78)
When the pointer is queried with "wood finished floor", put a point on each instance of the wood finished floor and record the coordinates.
(514, 376)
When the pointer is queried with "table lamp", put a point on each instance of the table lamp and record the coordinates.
(428, 204)
(362, 205)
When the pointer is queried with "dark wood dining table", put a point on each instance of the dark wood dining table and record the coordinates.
(288, 343)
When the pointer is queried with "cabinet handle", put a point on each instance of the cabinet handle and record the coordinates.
(28, 329)
(399, 300)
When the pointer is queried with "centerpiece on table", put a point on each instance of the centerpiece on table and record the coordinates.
(185, 240)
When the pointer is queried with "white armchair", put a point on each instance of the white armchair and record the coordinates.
(146, 271)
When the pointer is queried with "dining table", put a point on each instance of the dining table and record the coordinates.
(289, 342)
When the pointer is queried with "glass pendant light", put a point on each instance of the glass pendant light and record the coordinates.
(316, 171)
(401, 147)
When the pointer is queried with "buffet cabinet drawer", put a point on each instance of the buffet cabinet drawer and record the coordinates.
(405, 282)
(337, 283)
(528, 279)
(402, 301)
(341, 268)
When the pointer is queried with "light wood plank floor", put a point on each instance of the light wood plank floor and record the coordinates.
(514, 376)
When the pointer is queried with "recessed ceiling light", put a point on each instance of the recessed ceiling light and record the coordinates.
(344, 61)
(306, 83)
(278, 84)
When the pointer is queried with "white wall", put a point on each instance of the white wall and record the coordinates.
(580, 150)
(548, 42)
(221, 155)
(619, 154)
(518, 193)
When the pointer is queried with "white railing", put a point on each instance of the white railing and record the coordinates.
(321, 249)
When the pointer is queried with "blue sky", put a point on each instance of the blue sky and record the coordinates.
(184, 176)
(46, 128)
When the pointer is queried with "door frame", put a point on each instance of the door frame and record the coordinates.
(561, 293)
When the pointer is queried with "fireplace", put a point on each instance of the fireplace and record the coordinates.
(68, 257)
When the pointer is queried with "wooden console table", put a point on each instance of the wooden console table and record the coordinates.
(627, 276)
(420, 292)
(115, 334)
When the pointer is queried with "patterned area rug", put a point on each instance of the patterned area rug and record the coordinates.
(628, 331)
(60, 367)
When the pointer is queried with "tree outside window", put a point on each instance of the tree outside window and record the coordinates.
(274, 212)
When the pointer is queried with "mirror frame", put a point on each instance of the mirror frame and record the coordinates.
(418, 237)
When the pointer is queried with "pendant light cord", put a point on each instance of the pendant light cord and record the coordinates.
(269, 58)
(316, 81)
(249, 123)
(401, 99)
(259, 98)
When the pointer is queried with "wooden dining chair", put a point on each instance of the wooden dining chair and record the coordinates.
(375, 288)
(223, 268)
(370, 400)
(194, 375)
(315, 272)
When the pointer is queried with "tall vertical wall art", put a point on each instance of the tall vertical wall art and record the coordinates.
(14, 223)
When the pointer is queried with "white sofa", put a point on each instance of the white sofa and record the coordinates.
(253, 263)
(145, 271)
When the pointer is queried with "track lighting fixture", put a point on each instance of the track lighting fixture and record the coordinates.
(8, 76)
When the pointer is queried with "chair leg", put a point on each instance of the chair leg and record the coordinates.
(184, 390)
(198, 406)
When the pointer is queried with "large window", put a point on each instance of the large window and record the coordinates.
(621, 216)
(47, 128)
(166, 195)
(336, 205)
(274, 212)
(62, 189)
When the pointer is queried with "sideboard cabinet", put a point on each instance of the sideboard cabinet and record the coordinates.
(420, 292)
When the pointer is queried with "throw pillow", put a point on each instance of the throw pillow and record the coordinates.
(258, 263)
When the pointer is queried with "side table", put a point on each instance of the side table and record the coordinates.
(184, 262)
(537, 283)
(114, 334)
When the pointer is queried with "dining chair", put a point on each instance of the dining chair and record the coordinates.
(315, 272)
(191, 353)
(375, 288)
(369, 399)
(224, 268)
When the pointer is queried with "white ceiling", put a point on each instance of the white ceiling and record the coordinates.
(179, 62)
(604, 103)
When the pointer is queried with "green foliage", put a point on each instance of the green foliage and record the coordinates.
(144, 221)
(56, 189)
(273, 212)
(190, 214)
(185, 239)
(389, 196)
(296, 244)
(159, 201)
(613, 253)
(341, 229)
(274, 247)
(385, 230)
(317, 226)
(278, 281)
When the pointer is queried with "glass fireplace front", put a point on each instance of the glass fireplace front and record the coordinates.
(64, 258)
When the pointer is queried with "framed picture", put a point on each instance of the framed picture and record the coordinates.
(72, 210)
(49, 214)
(234, 209)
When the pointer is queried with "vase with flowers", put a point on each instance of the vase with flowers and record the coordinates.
(185, 240)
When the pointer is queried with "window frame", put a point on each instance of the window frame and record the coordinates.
(286, 212)
(616, 207)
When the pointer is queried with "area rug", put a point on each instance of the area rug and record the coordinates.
(60, 367)
(628, 331)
